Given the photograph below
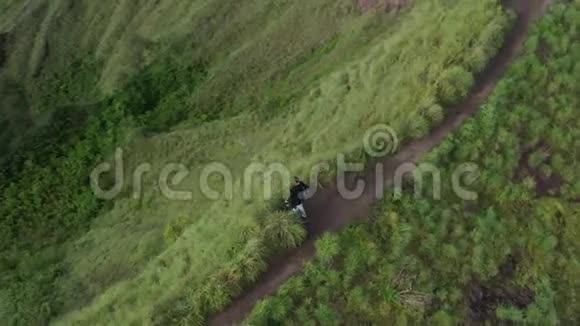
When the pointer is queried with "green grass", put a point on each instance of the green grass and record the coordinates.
(396, 82)
(216, 237)
(509, 256)
(251, 91)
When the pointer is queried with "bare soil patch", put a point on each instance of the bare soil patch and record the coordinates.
(3, 49)
(484, 299)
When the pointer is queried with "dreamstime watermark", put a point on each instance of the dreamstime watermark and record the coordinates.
(380, 141)
(258, 179)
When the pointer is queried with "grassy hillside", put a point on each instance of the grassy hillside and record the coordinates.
(70, 52)
(195, 82)
(511, 256)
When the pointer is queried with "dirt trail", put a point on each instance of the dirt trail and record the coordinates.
(330, 212)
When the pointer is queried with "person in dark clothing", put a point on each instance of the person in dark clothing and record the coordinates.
(297, 193)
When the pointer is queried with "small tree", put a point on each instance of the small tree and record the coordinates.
(327, 248)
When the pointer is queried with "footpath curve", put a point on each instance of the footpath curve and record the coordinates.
(330, 212)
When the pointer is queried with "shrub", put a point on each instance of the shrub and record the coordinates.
(284, 230)
(454, 84)
(325, 315)
(327, 248)
(435, 114)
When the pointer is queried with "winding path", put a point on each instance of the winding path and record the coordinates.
(330, 212)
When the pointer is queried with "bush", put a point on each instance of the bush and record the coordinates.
(454, 84)
(435, 114)
(284, 230)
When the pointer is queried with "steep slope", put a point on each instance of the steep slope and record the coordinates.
(197, 83)
(508, 257)
(223, 248)
(330, 211)
(68, 52)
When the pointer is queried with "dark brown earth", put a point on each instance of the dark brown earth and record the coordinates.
(482, 299)
(330, 212)
(3, 46)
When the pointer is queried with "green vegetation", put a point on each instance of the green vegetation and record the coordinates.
(69, 145)
(509, 256)
(48, 185)
(196, 82)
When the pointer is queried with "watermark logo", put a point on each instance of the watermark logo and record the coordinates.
(380, 141)
(258, 180)
(119, 177)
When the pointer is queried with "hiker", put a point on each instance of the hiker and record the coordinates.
(297, 195)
